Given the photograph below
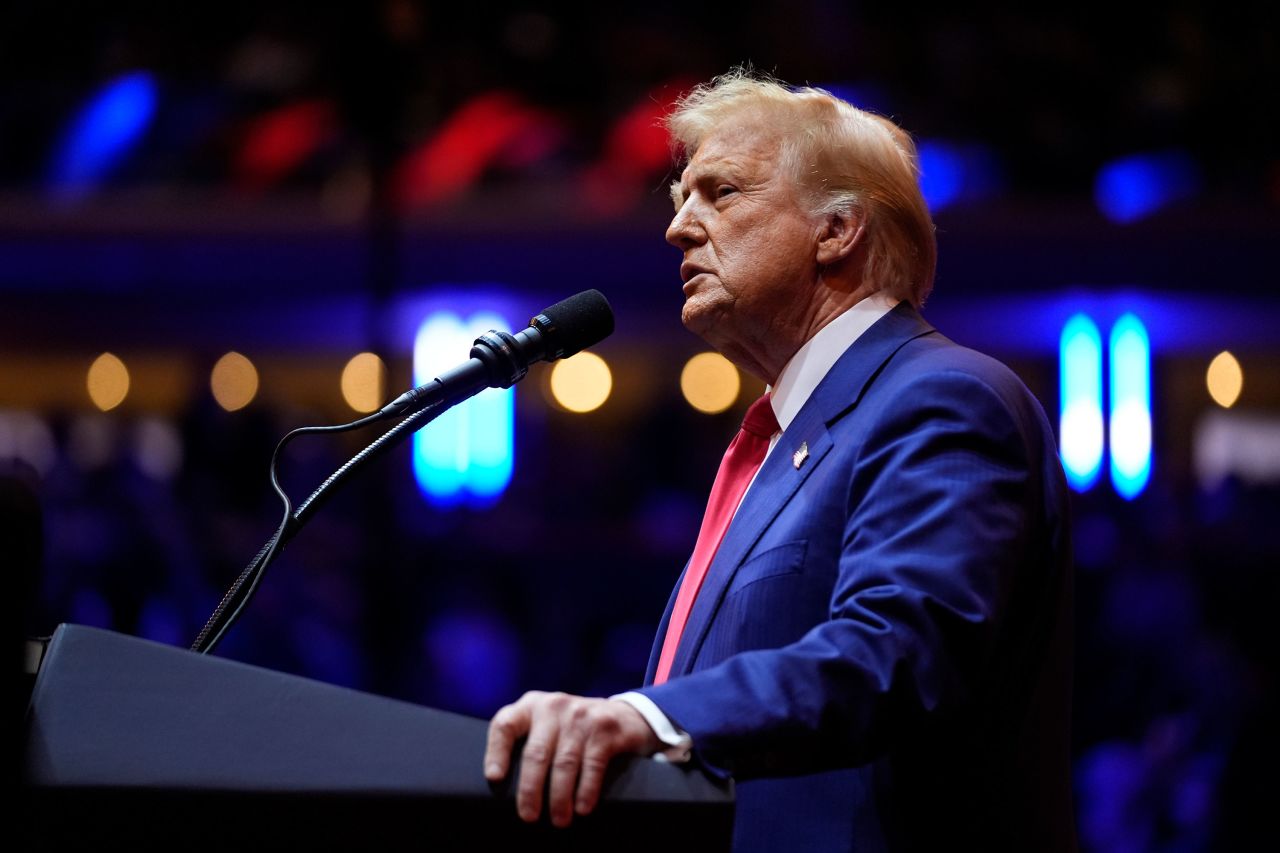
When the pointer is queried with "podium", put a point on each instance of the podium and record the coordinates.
(135, 743)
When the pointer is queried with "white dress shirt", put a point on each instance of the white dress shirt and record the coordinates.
(796, 383)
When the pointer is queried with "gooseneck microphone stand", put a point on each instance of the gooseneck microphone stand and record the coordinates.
(245, 585)
(497, 360)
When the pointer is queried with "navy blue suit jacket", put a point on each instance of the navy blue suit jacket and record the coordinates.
(880, 653)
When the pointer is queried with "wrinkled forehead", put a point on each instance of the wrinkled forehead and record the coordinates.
(741, 142)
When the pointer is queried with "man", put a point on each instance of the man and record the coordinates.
(878, 648)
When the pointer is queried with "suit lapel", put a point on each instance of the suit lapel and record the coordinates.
(843, 386)
(781, 477)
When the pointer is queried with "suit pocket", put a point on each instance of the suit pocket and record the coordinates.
(771, 601)
(784, 559)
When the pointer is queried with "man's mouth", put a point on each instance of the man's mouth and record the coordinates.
(689, 271)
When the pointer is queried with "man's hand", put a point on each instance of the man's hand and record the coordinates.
(572, 738)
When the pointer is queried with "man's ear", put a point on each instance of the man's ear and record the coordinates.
(841, 234)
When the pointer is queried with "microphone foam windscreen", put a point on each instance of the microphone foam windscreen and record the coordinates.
(575, 323)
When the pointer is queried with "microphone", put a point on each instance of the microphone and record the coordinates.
(500, 360)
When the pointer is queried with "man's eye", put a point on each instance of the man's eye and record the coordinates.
(725, 190)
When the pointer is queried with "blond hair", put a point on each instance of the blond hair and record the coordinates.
(850, 161)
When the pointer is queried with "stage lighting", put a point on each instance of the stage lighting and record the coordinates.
(1132, 188)
(1130, 420)
(468, 453)
(102, 134)
(233, 381)
(363, 382)
(710, 383)
(1080, 425)
(581, 383)
(108, 382)
(1225, 379)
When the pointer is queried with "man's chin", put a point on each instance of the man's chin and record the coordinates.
(698, 319)
(714, 330)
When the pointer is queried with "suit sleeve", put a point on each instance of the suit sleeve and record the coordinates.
(937, 524)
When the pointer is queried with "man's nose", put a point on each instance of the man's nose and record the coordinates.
(685, 229)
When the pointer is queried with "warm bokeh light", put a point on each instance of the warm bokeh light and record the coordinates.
(363, 382)
(581, 383)
(1225, 379)
(108, 381)
(234, 381)
(710, 383)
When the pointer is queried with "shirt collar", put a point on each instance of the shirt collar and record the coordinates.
(801, 375)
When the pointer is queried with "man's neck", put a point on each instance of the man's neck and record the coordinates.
(831, 302)
(801, 374)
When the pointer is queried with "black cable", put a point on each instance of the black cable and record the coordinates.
(220, 622)
(217, 621)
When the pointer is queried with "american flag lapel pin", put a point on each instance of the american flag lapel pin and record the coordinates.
(801, 454)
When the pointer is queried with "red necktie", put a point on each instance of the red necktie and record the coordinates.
(739, 466)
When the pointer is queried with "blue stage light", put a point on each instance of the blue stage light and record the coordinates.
(1131, 188)
(942, 173)
(100, 136)
(467, 454)
(1080, 382)
(1130, 418)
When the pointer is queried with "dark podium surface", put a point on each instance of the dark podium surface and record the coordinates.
(135, 742)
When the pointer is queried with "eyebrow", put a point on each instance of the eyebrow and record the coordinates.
(677, 194)
(724, 167)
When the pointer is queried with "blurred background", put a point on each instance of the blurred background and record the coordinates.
(219, 222)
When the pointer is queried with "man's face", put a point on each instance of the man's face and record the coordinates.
(749, 248)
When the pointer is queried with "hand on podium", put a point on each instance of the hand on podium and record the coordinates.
(572, 738)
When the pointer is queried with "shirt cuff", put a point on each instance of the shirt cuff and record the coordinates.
(679, 744)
